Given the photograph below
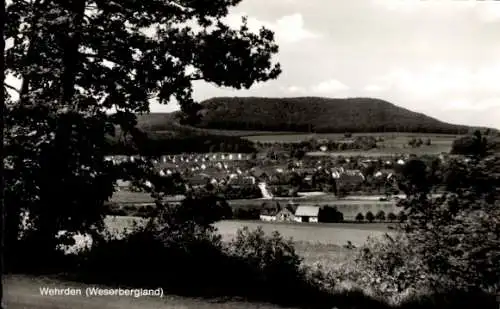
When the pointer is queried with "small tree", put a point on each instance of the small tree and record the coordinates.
(380, 215)
(428, 142)
(391, 217)
(360, 217)
(370, 217)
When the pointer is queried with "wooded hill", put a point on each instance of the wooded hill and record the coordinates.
(302, 114)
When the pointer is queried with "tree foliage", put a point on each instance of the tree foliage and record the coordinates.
(477, 144)
(457, 235)
(79, 59)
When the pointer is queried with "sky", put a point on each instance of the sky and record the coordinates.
(438, 57)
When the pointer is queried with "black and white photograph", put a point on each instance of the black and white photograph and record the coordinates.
(250, 154)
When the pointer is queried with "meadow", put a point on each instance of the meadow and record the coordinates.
(313, 233)
(392, 143)
(392, 137)
(316, 243)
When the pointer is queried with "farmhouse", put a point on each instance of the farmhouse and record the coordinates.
(307, 214)
(283, 215)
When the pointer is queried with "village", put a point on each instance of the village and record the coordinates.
(287, 189)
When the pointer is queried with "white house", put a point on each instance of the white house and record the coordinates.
(307, 214)
(283, 215)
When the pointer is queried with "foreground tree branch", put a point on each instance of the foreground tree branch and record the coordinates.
(12, 88)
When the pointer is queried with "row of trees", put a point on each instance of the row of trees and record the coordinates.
(381, 216)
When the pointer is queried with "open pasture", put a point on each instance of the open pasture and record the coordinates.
(316, 243)
(336, 234)
(312, 233)
(391, 143)
(386, 152)
(389, 138)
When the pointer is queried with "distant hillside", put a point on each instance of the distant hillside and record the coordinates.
(321, 115)
(303, 114)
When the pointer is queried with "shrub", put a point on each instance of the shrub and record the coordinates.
(380, 215)
(330, 214)
(370, 217)
(386, 268)
(391, 217)
(360, 217)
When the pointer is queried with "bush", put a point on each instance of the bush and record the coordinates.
(370, 217)
(380, 215)
(187, 258)
(391, 217)
(330, 214)
(360, 217)
(386, 268)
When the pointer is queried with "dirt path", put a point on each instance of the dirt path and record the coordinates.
(23, 292)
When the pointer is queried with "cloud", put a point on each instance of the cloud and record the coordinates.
(441, 80)
(288, 29)
(330, 86)
(327, 87)
(295, 89)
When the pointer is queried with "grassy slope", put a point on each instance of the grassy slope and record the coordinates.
(254, 115)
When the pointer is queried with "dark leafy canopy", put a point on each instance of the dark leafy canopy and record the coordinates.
(77, 59)
(118, 65)
(477, 144)
(457, 235)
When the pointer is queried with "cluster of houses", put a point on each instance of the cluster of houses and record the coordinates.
(184, 158)
(234, 169)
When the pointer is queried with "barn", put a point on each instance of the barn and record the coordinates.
(307, 214)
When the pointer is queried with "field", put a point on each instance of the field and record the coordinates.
(389, 137)
(392, 144)
(316, 243)
(313, 233)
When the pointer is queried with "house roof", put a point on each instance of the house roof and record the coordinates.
(307, 211)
